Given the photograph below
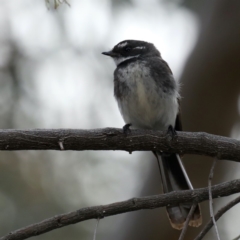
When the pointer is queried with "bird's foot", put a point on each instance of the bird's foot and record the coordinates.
(126, 128)
(171, 132)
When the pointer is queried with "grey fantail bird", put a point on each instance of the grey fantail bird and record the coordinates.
(148, 98)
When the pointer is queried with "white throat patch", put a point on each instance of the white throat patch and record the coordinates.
(122, 59)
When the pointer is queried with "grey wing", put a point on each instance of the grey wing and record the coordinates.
(162, 74)
(178, 123)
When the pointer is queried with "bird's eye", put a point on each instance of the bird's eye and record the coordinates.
(127, 49)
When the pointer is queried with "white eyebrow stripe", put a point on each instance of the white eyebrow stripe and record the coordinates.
(142, 47)
(122, 44)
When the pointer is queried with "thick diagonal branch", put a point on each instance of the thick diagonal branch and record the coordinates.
(114, 139)
(151, 202)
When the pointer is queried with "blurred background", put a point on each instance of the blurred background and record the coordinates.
(52, 75)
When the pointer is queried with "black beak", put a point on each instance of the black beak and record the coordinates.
(110, 54)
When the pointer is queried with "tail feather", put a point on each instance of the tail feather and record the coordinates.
(175, 178)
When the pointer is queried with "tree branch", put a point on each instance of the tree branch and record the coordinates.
(151, 202)
(114, 139)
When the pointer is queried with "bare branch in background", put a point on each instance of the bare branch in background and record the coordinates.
(237, 238)
(56, 3)
(134, 204)
(217, 216)
(95, 230)
(210, 197)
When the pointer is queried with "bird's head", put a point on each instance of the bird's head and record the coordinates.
(128, 49)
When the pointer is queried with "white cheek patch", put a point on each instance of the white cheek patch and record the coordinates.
(122, 59)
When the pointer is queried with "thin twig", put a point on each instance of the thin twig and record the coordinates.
(95, 230)
(184, 230)
(217, 216)
(210, 197)
(61, 145)
(56, 3)
(237, 238)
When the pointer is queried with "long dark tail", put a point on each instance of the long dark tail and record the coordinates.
(175, 178)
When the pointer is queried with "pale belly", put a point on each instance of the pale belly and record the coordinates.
(142, 101)
(149, 109)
